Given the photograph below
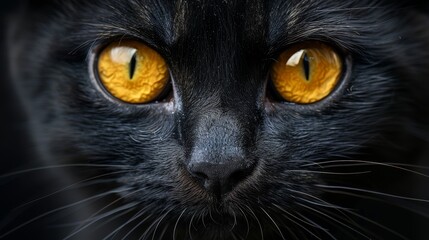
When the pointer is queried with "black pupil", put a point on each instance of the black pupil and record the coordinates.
(133, 63)
(306, 64)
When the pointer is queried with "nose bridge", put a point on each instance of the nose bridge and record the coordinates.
(218, 138)
(219, 159)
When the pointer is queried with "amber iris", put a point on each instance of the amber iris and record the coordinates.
(132, 72)
(306, 73)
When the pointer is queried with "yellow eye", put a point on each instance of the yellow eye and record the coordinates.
(306, 73)
(132, 71)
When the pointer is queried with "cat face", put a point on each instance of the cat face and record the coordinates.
(221, 154)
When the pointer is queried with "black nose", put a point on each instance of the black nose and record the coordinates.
(220, 178)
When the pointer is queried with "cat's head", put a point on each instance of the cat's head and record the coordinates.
(222, 144)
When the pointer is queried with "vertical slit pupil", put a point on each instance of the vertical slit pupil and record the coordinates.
(133, 63)
(306, 64)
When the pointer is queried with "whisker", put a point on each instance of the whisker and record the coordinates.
(348, 9)
(330, 173)
(19, 172)
(377, 200)
(211, 217)
(128, 207)
(136, 226)
(272, 220)
(245, 218)
(71, 187)
(363, 162)
(235, 220)
(113, 218)
(177, 222)
(372, 222)
(57, 210)
(312, 223)
(322, 202)
(190, 226)
(137, 215)
(372, 192)
(292, 215)
(164, 230)
(257, 220)
(234, 237)
(156, 224)
(203, 217)
(80, 228)
(318, 204)
(333, 219)
(377, 224)
(291, 220)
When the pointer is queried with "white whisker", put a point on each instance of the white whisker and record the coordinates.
(61, 166)
(352, 163)
(333, 219)
(372, 192)
(272, 220)
(298, 224)
(99, 217)
(177, 222)
(57, 210)
(257, 220)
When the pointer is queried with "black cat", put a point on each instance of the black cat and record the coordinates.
(276, 119)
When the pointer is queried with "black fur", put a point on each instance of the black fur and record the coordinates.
(219, 54)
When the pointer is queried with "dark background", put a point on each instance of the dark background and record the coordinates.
(15, 147)
(14, 144)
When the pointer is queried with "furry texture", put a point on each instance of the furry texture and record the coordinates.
(219, 54)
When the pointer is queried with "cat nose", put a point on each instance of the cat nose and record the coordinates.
(219, 158)
(222, 177)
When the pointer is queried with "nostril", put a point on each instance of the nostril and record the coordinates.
(197, 173)
(201, 175)
(239, 176)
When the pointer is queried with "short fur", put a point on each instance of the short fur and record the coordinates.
(220, 54)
